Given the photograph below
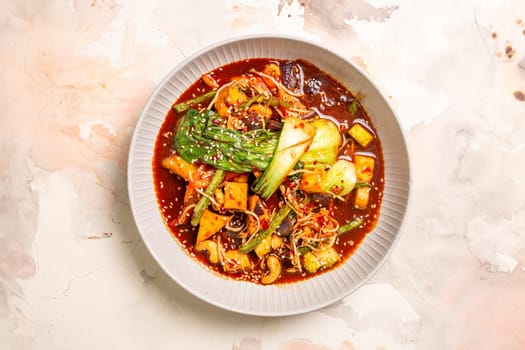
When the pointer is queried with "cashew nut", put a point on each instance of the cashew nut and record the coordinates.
(274, 270)
(210, 248)
(177, 165)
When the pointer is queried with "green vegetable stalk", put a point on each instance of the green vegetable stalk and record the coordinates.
(296, 137)
(341, 177)
(182, 106)
(353, 107)
(258, 237)
(197, 138)
(325, 145)
(349, 226)
(203, 202)
(313, 261)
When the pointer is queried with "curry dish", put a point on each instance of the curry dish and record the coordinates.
(268, 171)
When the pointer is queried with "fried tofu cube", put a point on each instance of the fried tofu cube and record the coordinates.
(362, 194)
(235, 261)
(210, 224)
(364, 166)
(235, 195)
(313, 181)
(242, 178)
(252, 202)
(236, 177)
(361, 134)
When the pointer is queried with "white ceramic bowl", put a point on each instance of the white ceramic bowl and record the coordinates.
(245, 297)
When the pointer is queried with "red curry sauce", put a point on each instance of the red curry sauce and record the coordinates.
(331, 99)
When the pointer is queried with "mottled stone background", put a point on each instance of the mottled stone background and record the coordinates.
(74, 76)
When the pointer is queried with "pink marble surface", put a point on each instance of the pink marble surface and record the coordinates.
(74, 76)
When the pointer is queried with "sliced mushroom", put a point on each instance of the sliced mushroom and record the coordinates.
(273, 264)
(286, 226)
(253, 121)
(313, 86)
(321, 199)
(256, 116)
(259, 208)
(274, 125)
(235, 261)
(237, 223)
(293, 77)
